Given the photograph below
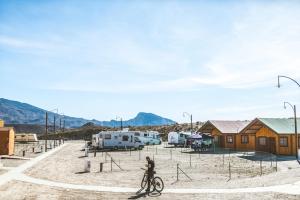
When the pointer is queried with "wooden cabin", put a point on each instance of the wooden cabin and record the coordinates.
(274, 135)
(7, 141)
(224, 132)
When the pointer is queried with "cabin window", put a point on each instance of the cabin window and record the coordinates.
(229, 139)
(245, 139)
(107, 136)
(136, 134)
(283, 141)
(262, 141)
(125, 138)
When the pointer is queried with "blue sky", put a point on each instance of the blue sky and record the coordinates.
(102, 59)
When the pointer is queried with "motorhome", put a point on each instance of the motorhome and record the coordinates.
(26, 137)
(149, 137)
(116, 140)
(178, 138)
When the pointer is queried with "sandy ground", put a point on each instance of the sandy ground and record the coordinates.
(32, 150)
(206, 171)
(16, 190)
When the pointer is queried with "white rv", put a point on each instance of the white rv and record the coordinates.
(149, 137)
(178, 139)
(116, 140)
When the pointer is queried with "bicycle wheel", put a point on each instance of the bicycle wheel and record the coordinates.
(144, 182)
(158, 184)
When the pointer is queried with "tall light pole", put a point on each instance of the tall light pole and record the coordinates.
(117, 117)
(191, 117)
(295, 121)
(294, 108)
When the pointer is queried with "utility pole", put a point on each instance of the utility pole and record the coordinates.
(54, 123)
(64, 125)
(121, 124)
(191, 122)
(46, 133)
(59, 124)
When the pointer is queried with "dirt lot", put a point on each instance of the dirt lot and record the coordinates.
(31, 150)
(206, 170)
(16, 190)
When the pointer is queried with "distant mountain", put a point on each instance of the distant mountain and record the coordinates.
(14, 112)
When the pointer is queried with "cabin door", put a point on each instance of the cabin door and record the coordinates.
(272, 145)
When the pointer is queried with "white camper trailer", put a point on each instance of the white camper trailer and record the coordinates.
(149, 137)
(116, 140)
(178, 139)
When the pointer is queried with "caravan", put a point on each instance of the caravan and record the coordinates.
(116, 140)
(149, 137)
(178, 139)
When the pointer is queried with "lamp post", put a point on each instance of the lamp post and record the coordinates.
(294, 108)
(117, 117)
(191, 117)
(295, 121)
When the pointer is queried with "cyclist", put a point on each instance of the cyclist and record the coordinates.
(150, 165)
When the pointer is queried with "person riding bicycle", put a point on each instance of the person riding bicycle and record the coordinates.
(150, 171)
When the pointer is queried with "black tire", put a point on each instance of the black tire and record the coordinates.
(144, 182)
(158, 184)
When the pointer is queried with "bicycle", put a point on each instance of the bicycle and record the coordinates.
(156, 183)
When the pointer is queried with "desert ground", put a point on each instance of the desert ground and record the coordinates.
(61, 174)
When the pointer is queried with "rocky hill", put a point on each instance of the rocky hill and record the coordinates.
(14, 112)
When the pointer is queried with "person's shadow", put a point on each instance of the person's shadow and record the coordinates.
(140, 194)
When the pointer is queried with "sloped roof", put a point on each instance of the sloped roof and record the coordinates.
(226, 126)
(281, 125)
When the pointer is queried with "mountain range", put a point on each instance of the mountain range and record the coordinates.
(14, 112)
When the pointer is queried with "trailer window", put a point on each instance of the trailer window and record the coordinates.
(181, 135)
(116, 137)
(145, 135)
(125, 138)
(107, 136)
(136, 134)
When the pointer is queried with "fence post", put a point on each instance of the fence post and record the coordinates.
(229, 170)
(223, 160)
(190, 160)
(105, 156)
(171, 153)
(139, 154)
(276, 162)
(260, 167)
(33, 149)
(177, 172)
(156, 150)
(95, 152)
(111, 164)
(23, 153)
(130, 151)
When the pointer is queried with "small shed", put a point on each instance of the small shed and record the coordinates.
(1, 123)
(224, 131)
(274, 135)
(7, 141)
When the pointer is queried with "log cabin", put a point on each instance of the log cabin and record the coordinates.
(274, 135)
(224, 132)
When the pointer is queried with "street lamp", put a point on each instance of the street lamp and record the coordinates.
(295, 121)
(294, 108)
(191, 117)
(280, 76)
(117, 117)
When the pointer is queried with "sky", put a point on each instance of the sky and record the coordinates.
(102, 59)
